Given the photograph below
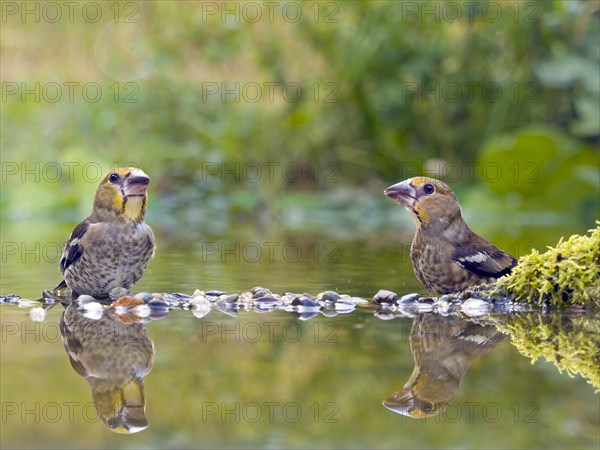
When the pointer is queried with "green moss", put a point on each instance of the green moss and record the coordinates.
(568, 274)
(571, 343)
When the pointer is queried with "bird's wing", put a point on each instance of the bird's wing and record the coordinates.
(73, 250)
(73, 345)
(485, 261)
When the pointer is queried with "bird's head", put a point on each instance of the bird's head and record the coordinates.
(123, 192)
(428, 201)
(122, 408)
(410, 403)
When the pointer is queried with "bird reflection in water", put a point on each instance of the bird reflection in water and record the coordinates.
(114, 357)
(443, 348)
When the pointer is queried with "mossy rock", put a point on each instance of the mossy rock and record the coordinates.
(568, 274)
(570, 342)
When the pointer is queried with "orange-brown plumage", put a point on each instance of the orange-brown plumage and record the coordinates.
(112, 247)
(447, 255)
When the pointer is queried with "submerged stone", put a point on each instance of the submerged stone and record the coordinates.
(157, 303)
(201, 311)
(408, 298)
(83, 299)
(474, 307)
(37, 314)
(384, 296)
(233, 298)
(305, 315)
(328, 312)
(305, 302)
(24, 303)
(328, 296)
(213, 293)
(144, 296)
(261, 292)
(266, 301)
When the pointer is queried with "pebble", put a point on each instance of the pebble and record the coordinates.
(424, 307)
(141, 310)
(46, 300)
(385, 297)
(343, 308)
(343, 305)
(261, 292)
(118, 292)
(83, 299)
(330, 296)
(228, 308)
(125, 303)
(158, 303)
(93, 310)
(305, 315)
(198, 301)
(158, 309)
(289, 297)
(215, 293)
(474, 307)
(266, 301)
(385, 314)
(24, 303)
(171, 300)
(305, 302)
(144, 296)
(442, 306)
(408, 298)
(37, 314)
(408, 311)
(428, 300)
(200, 311)
(230, 299)
(327, 312)
(355, 300)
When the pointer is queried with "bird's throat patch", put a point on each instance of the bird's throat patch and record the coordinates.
(134, 207)
(421, 213)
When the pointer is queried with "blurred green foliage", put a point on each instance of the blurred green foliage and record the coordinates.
(387, 90)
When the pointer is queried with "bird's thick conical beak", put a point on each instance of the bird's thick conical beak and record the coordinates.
(136, 183)
(401, 402)
(402, 193)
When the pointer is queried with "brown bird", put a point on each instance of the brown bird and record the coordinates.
(114, 358)
(112, 247)
(447, 256)
(443, 349)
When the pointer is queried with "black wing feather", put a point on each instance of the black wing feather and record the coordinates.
(485, 263)
(73, 250)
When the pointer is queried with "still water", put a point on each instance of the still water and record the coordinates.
(366, 378)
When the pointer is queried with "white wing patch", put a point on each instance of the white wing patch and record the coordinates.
(478, 257)
(476, 338)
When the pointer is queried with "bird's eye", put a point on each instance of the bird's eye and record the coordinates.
(428, 189)
(427, 407)
(113, 178)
